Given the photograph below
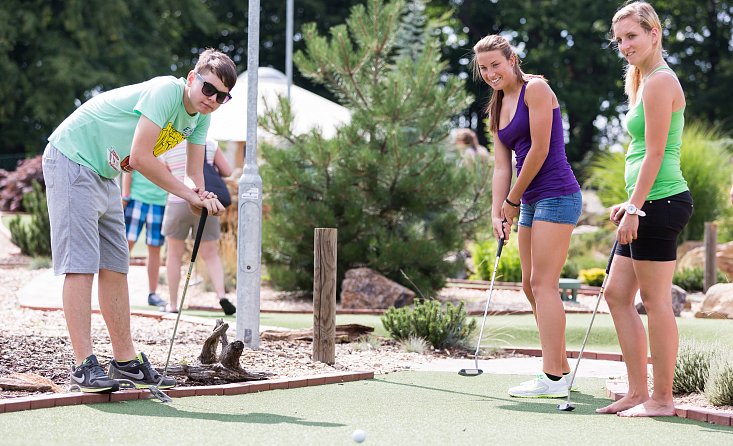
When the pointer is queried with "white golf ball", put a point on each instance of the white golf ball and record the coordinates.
(359, 435)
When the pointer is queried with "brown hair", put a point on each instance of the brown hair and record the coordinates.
(647, 17)
(213, 61)
(495, 42)
(467, 137)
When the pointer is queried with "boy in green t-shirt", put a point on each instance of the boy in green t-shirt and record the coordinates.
(122, 130)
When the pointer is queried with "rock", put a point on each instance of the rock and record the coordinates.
(366, 288)
(679, 299)
(695, 258)
(718, 303)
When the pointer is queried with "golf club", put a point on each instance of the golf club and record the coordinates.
(154, 390)
(567, 406)
(477, 371)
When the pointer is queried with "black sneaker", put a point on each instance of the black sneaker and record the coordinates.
(155, 300)
(90, 377)
(227, 306)
(141, 373)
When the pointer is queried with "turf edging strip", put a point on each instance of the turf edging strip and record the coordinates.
(69, 399)
(617, 389)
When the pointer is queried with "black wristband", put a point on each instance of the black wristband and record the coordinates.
(506, 200)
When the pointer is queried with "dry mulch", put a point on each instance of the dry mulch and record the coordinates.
(36, 342)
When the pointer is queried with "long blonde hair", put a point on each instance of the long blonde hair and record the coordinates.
(647, 17)
(495, 42)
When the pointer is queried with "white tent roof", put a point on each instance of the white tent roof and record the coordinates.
(229, 122)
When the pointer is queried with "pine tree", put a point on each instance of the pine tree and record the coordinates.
(400, 200)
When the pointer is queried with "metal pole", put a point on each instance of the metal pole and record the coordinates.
(250, 202)
(289, 44)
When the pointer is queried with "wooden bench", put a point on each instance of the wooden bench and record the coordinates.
(569, 286)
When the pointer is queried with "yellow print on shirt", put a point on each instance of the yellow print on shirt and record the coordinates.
(169, 138)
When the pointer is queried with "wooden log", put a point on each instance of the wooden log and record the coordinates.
(324, 295)
(344, 334)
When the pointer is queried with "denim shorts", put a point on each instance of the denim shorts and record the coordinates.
(139, 214)
(564, 209)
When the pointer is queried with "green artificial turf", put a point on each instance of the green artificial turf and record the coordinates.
(408, 408)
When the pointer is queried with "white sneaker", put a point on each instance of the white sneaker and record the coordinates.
(540, 387)
(568, 378)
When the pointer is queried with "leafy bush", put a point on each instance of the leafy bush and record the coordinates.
(428, 319)
(570, 269)
(719, 386)
(33, 238)
(593, 276)
(484, 255)
(693, 279)
(692, 367)
(16, 184)
(705, 165)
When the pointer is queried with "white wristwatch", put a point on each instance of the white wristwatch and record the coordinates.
(633, 210)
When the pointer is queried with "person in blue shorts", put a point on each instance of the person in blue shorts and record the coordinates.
(124, 129)
(144, 205)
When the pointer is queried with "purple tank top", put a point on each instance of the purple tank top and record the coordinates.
(555, 178)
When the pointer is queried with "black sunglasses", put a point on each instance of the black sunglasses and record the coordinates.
(209, 90)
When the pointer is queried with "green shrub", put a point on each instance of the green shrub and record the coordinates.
(592, 276)
(693, 365)
(428, 319)
(719, 386)
(705, 164)
(34, 237)
(484, 256)
(692, 279)
(570, 269)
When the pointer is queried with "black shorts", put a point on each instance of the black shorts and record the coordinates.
(658, 230)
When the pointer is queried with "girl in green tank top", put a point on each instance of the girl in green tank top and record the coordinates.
(669, 180)
(658, 209)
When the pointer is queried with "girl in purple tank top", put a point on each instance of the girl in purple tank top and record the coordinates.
(524, 117)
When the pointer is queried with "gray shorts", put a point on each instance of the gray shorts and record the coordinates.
(180, 223)
(85, 212)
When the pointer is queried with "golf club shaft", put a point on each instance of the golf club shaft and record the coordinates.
(196, 243)
(593, 317)
(488, 301)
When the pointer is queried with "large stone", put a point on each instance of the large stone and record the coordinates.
(366, 288)
(679, 298)
(695, 258)
(718, 302)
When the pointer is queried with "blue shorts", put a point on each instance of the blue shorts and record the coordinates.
(564, 209)
(139, 214)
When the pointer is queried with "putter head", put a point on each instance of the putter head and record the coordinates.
(566, 407)
(156, 392)
(470, 372)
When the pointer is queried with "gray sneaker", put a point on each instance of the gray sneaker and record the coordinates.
(90, 377)
(141, 373)
(155, 300)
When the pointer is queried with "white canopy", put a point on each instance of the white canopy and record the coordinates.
(229, 122)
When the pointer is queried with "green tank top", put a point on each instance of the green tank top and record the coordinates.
(669, 180)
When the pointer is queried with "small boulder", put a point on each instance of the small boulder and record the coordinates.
(718, 302)
(679, 299)
(366, 288)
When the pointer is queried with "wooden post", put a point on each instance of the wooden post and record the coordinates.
(324, 295)
(710, 276)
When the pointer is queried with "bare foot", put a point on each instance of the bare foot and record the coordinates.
(624, 403)
(649, 408)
